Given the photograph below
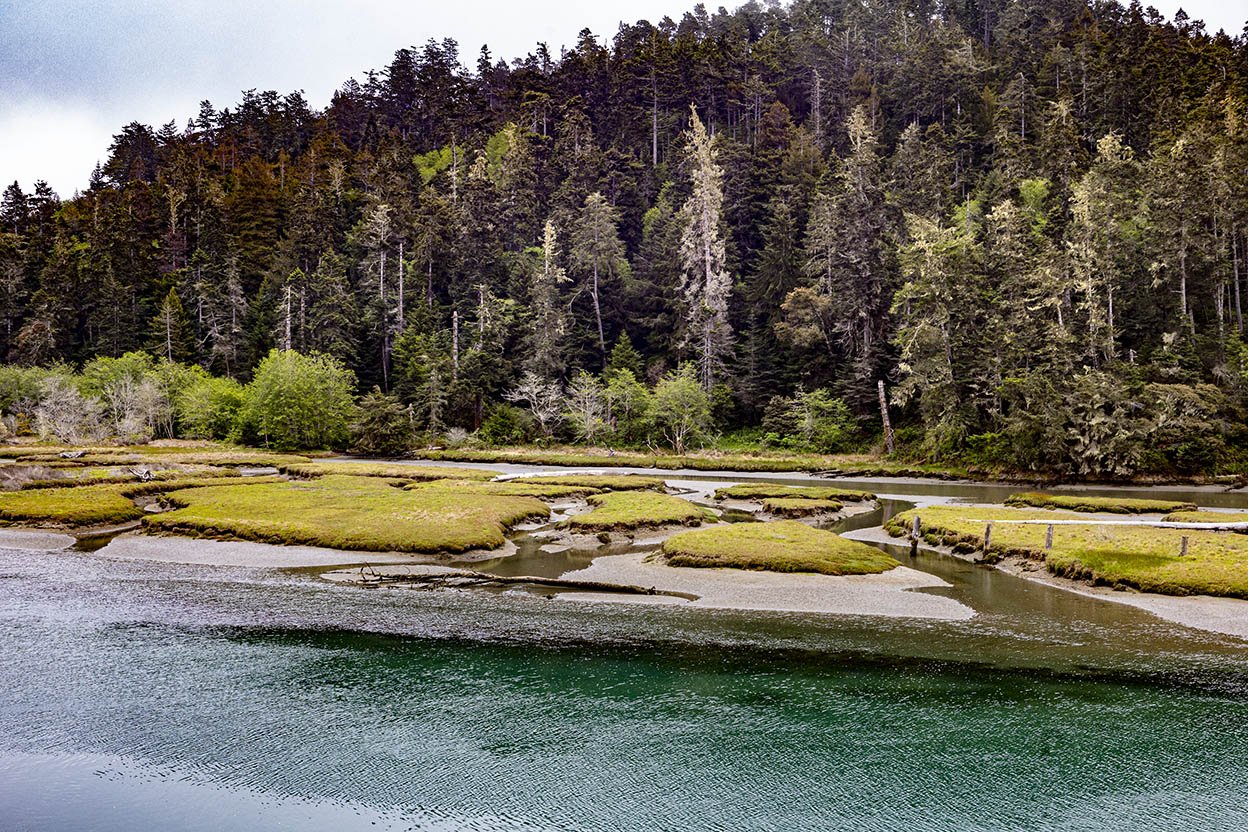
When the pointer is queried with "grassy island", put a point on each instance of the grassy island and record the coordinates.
(600, 482)
(94, 505)
(763, 490)
(782, 546)
(1107, 505)
(511, 488)
(343, 512)
(791, 507)
(625, 510)
(385, 470)
(1207, 517)
(1139, 557)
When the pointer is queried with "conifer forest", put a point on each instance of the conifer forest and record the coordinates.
(1027, 218)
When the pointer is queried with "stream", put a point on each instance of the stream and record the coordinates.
(146, 695)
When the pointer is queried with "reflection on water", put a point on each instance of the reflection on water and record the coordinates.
(149, 696)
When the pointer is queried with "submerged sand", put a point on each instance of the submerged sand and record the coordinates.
(208, 552)
(885, 594)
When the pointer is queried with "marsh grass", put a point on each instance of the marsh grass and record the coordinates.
(780, 546)
(625, 510)
(800, 507)
(93, 505)
(1106, 505)
(1146, 558)
(761, 490)
(1207, 517)
(385, 470)
(510, 488)
(599, 482)
(346, 512)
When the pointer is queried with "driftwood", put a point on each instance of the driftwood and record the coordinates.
(370, 576)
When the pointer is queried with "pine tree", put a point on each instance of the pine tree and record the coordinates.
(597, 254)
(171, 330)
(548, 318)
(705, 283)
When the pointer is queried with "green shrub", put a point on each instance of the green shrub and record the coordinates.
(382, 426)
(209, 408)
(506, 425)
(298, 401)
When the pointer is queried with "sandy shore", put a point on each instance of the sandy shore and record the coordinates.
(43, 541)
(885, 594)
(237, 553)
(1202, 612)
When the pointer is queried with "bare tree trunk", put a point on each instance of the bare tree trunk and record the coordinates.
(1239, 311)
(401, 310)
(889, 441)
(602, 339)
(455, 344)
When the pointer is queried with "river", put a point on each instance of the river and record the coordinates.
(142, 695)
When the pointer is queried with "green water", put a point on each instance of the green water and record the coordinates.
(148, 696)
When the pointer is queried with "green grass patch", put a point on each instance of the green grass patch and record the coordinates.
(761, 490)
(782, 546)
(599, 482)
(1107, 505)
(1207, 517)
(510, 488)
(859, 464)
(111, 476)
(344, 512)
(385, 470)
(93, 505)
(622, 510)
(1139, 557)
(800, 507)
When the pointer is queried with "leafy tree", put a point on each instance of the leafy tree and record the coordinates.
(209, 408)
(298, 401)
(681, 408)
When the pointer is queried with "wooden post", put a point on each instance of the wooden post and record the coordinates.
(1048, 538)
(1183, 547)
(888, 425)
(914, 537)
(987, 537)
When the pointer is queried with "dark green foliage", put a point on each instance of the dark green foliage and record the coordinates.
(382, 426)
(1029, 219)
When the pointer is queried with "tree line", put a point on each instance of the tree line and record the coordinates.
(1026, 217)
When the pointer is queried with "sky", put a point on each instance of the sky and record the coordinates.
(73, 72)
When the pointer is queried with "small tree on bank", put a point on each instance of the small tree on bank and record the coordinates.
(681, 409)
(299, 401)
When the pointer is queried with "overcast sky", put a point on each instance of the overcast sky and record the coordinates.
(72, 72)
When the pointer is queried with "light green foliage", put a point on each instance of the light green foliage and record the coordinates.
(1110, 505)
(624, 510)
(629, 406)
(1139, 557)
(781, 546)
(298, 401)
(681, 408)
(810, 421)
(209, 408)
(344, 512)
(759, 490)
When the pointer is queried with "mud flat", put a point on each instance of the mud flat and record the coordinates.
(885, 594)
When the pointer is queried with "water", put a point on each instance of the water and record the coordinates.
(150, 696)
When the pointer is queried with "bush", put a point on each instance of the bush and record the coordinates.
(506, 425)
(298, 401)
(209, 408)
(681, 409)
(382, 426)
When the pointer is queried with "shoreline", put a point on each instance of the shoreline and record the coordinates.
(1225, 616)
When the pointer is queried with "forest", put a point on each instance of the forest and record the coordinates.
(1028, 218)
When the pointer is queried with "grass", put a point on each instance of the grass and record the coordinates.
(622, 510)
(510, 488)
(345, 512)
(782, 546)
(859, 464)
(800, 506)
(385, 470)
(1207, 517)
(761, 490)
(600, 482)
(108, 476)
(1137, 557)
(1108, 505)
(93, 505)
(176, 456)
